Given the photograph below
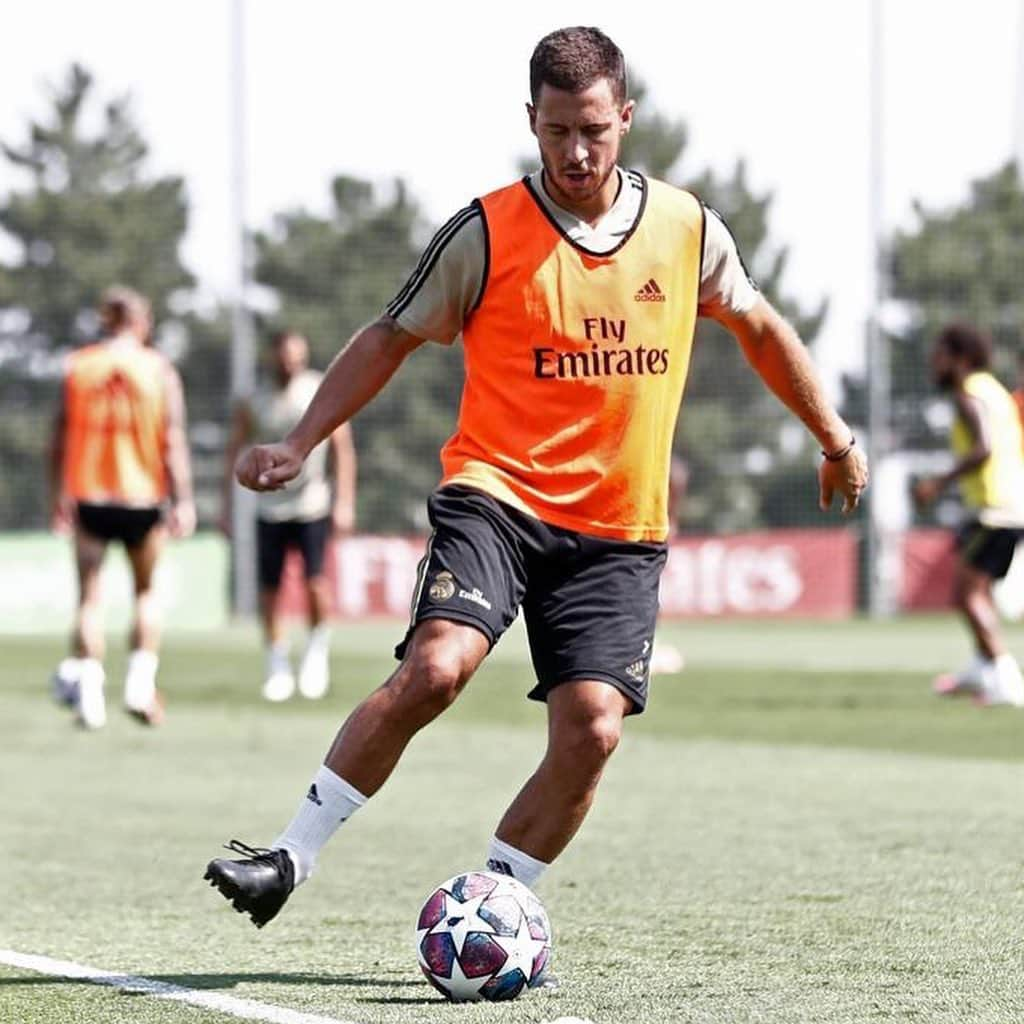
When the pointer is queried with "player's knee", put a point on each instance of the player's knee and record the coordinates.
(593, 740)
(435, 675)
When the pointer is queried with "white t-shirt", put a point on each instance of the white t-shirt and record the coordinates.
(446, 284)
(275, 412)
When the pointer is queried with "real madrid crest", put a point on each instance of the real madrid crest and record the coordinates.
(443, 586)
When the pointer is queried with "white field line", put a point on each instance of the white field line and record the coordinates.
(248, 1009)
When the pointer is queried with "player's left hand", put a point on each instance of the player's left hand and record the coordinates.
(343, 519)
(181, 520)
(848, 476)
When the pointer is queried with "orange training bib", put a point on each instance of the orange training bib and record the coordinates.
(115, 410)
(575, 365)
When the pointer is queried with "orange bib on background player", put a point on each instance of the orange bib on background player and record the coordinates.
(116, 413)
(575, 365)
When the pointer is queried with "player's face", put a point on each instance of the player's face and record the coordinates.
(291, 356)
(579, 135)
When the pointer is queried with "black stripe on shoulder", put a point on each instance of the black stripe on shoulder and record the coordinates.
(725, 224)
(487, 255)
(703, 240)
(429, 258)
(636, 179)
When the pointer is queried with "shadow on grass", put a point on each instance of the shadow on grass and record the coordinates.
(217, 981)
(427, 1000)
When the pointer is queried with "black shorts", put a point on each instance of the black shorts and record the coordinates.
(273, 539)
(987, 548)
(129, 525)
(590, 603)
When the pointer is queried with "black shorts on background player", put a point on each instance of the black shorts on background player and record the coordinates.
(127, 524)
(590, 603)
(988, 548)
(273, 539)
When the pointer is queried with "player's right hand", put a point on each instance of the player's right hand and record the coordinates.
(268, 467)
(62, 516)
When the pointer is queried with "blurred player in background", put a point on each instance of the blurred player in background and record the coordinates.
(302, 516)
(987, 444)
(576, 291)
(1018, 391)
(119, 472)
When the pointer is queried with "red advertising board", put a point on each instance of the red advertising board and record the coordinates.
(775, 572)
(778, 572)
(927, 565)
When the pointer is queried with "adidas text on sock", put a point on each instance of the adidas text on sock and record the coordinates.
(507, 860)
(329, 802)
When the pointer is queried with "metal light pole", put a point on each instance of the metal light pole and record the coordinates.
(1018, 112)
(882, 553)
(243, 359)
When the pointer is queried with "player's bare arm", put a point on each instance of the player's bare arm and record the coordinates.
(355, 375)
(779, 357)
(343, 449)
(179, 472)
(972, 411)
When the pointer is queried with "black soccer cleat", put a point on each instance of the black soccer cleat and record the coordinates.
(258, 885)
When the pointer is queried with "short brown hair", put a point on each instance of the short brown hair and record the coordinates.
(967, 343)
(120, 306)
(574, 59)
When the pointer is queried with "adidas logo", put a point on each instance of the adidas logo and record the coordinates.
(500, 867)
(314, 796)
(650, 293)
(637, 670)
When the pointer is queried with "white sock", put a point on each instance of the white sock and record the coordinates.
(277, 659)
(507, 860)
(971, 672)
(330, 802)
(1007, 669)
(70, 669)
(140, 679)
(319, 639)
(91, 704)
(91, 672)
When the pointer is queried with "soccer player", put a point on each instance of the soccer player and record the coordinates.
(575, 291)
(301, 516)
(1018, 392)
(119, 472)
(989, 467)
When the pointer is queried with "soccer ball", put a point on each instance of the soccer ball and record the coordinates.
(483, 936)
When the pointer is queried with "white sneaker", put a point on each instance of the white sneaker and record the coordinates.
(64, 682)
(279, 685)
(91, 706)
(140, 694)
(1004, 684)
(314, 673)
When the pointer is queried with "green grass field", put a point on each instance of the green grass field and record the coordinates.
(794, 832)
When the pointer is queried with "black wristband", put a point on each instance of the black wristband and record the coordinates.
(841, 454)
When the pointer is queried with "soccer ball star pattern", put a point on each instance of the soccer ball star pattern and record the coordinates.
(483, 935)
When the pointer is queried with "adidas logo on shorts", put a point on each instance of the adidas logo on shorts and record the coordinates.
(638, 670)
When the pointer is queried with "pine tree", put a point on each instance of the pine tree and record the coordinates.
(88, 217)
